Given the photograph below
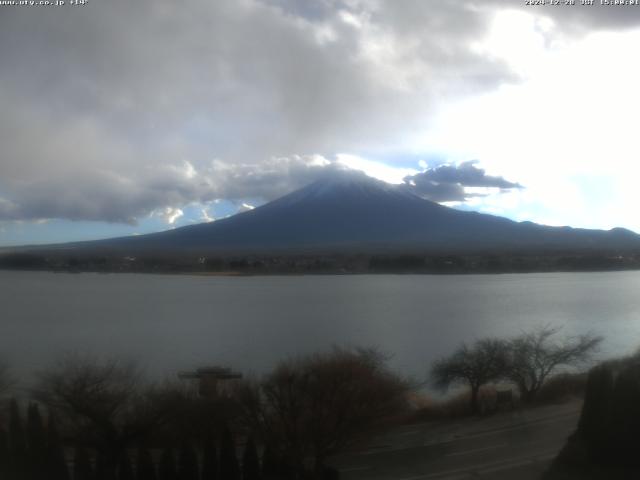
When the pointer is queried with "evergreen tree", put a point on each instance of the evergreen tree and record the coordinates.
(593, 427)
(125, 472)
(330, 473)
(188, 463)
(270, 469)
(103, 471)
(4, 454)
(229, 468)
(16, 429)
(167, 470)
(106, 465)
(285, 471)
(210, 460)
(82, 469)
(250, 461)
(17, 446)
(145, 468)
(56, 461)
(36, 443)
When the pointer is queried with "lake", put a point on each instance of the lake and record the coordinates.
(176, 322)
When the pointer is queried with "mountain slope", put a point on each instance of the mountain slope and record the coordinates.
(359, 212)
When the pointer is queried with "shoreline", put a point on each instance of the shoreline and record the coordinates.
(238, 273)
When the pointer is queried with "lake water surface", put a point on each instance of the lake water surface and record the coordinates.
(174, 322)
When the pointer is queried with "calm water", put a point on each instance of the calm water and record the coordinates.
(176, 322)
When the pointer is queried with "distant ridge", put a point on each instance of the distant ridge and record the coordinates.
(355, 212)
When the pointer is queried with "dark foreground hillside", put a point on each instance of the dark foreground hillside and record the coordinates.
(605, 443)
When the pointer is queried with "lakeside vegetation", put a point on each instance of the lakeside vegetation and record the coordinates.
(321, 263)
(525, 361)
(104, 420)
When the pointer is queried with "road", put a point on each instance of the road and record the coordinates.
(512, 445)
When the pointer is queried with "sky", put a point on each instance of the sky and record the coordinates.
(122, 118)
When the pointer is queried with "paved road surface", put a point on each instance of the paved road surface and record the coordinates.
(515, 445)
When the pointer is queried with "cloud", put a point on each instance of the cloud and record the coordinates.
(169, 214)
(205, 216)
(119, 109)
(465, 174)
(380, 170)
(162, 190)
(245, 207)
(451, 183)
(8, 209)
(580, 19)
(110, 116)
(408, 14)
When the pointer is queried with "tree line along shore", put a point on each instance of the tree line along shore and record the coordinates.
(319, 263)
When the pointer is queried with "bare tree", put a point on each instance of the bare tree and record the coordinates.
(315, 406)
(536, 355)
(482, 362)
(104, 401)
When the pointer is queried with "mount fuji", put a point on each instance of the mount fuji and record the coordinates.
(354, 212)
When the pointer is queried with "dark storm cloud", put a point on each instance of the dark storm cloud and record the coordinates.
(446, 183)
(466, 174)
(115, 109)
(107, 196)
(103, 105)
